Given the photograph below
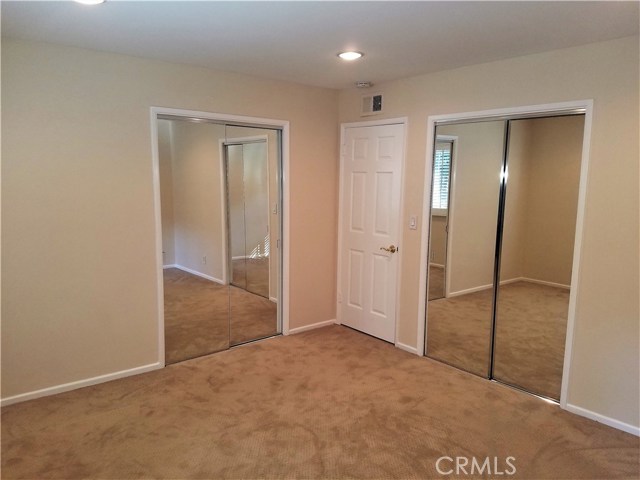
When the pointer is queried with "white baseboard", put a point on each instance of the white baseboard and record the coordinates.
(505, 282)
(544, 282)
(470, 290)
(407, 348)
(198, 274)
(511, 280)
(65, 387)
(273, 299)
(173, 265)
(313, 326)
(611, 422)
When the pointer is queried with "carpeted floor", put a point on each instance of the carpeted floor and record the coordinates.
(330, 403)
(203, 317)
(530, 334)
(436, 282)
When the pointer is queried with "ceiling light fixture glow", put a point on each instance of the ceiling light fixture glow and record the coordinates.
(90, 2)
(349, 56)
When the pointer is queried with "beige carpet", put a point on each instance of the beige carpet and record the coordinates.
(252, 274)
(203, 317)
(436, 282)
(531, 329)
(330, 403)
(530, 334)
(196, 316)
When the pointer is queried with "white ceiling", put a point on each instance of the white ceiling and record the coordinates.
(298, 41)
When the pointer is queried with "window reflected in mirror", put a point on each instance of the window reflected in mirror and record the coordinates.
(439, 217)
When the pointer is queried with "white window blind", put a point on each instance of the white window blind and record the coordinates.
(441, 173)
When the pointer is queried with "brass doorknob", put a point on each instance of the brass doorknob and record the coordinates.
(391, 249)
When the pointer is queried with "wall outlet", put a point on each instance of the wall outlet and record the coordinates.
(204, 259)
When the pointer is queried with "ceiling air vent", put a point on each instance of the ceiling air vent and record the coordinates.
(371, 104)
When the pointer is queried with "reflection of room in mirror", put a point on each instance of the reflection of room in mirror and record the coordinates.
(248, 211)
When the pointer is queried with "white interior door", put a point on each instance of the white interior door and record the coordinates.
(371, 174)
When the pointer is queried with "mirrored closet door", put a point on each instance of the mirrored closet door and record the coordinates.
(460, 319)
(251, 164)
(511, 217)
(541, 203)
(220, 204)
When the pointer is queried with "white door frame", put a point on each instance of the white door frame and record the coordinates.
(284, 244)
(550, 108)
(373, 123)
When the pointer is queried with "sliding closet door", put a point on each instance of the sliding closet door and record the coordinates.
(459, 323)
(544, 158)
(253, 191)
(196, 300)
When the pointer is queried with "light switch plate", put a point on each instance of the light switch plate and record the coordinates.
(413, 222)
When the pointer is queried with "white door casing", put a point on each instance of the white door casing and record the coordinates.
(371, 182)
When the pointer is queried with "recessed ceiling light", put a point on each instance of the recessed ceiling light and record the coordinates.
(90, 2)
(350, 55)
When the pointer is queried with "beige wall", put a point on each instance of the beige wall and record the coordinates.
(513, 233)
(197, 197)
(605, 372)
(79, 291)
(552, 176)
